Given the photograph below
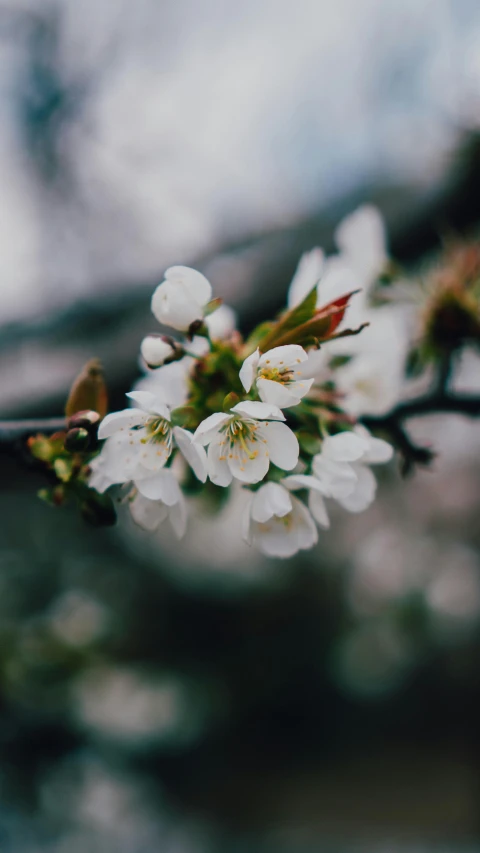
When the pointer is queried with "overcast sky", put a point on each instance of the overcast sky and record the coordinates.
(191, 122)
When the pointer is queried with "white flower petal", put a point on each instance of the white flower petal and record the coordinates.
(173, 305)
(193, 452)
(337, 280)
(271, 499)
(150, 403)
(282, 444)
(316, 505)
(153, 454)
(276, 394)
(124, 420)
(199, 287)
(336, 478)
(304, 481)
(218, 470)
(118, 459)
(221, 323)
(155, 350)
(250, 465)
(209, 428)
(162, 486)
(286, 356)
(344, 447)
(248, 370)
(147, 514)
(169, 383)
(262, 411)
(145, 399)
(379, 451)
(99, 479)
(364, 492)
(361, 238)
(307, 276)
(284, 537)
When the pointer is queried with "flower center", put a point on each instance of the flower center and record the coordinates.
(267, 526)
(285, 375)
(238, 432)
(159, 431)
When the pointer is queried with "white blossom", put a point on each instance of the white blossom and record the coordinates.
(277, 523)
(362, 240)
(242, 443)
(170, 383)
(307, 275)
(277, 375)
(180, 299)
(159, 497)
(103, 467)
(341, 471)
(141, 440)
(372, 379)
(156, 349)
(221, 323)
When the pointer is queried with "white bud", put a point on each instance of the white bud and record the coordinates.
(221, 323)
(180, 299)
(156, 349)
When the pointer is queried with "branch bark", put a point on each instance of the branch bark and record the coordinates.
(11, 431)
(436, 402)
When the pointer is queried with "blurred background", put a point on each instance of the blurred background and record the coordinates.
(197, 698)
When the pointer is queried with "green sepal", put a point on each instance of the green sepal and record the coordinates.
(46, 449)
(184, 416)
(212, 306)
(63, 468)
(255, 338)
(230, 401)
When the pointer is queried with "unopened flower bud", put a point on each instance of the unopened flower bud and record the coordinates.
(77, 440)
(87, 419)
(159, 349)
(88, 391)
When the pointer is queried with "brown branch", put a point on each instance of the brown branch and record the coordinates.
(11, 431)
(436, 402)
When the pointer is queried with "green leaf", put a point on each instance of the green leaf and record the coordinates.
(293, 319)
(302, 313)
(309, 443)
(259, 332)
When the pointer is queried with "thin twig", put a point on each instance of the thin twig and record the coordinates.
(14, 430)
(436, 402)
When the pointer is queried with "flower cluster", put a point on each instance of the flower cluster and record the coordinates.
(214, 408)
(284, 412)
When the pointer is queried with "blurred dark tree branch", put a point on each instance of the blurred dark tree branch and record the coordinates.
(439, 401)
